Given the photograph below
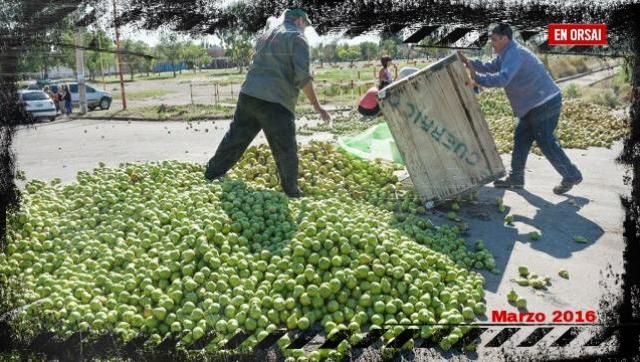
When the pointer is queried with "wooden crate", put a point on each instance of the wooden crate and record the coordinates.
(440, 131)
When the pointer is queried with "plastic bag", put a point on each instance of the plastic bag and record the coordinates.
(375, 142)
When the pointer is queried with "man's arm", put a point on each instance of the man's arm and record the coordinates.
(510, 66)
(491, 67)
(302, 77)
(311, 95)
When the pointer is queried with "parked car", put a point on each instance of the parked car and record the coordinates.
(38, 104)
(95, 98)
(39, 84)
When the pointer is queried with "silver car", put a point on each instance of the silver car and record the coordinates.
(38, 104)
(95, 98)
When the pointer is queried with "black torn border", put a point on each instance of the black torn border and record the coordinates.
(86, 346)
(356, 17)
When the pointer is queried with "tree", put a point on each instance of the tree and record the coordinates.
(134, 63)
(368, 50)
(170, 48)
(329, 52)
(238, 45)
(97, 62)
(39, 58)
(150, 63)
(195, 56)
(389, 47)
(348, 53)
(316, 54)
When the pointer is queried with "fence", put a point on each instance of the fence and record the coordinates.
(346, 91)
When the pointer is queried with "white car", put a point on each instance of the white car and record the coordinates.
(38, 104)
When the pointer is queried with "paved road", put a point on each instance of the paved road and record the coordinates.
(587, 80)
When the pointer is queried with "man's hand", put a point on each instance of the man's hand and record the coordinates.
(472, 72)
(472, 76)
(326, 117)
(311, 94)
(463, 58)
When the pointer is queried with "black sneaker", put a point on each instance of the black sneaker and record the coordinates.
(221, 178)
(508, 183)
(565, 186)
(295, 195)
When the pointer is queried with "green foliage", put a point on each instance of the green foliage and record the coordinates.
(348, 53)
(134, 63)
(39, 57)
(195, 56)
(238, 45)
(368, 50)
(170, 49)
(96, 62)
(389, 47)
(572, 91)
(607, 98)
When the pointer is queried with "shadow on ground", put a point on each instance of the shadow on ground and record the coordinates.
(558, 225)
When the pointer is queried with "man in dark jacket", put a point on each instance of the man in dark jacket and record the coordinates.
(267, 101)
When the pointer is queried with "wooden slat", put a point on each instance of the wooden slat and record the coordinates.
(479, 123)
(440, 131)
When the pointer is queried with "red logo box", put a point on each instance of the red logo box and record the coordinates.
(577, 34)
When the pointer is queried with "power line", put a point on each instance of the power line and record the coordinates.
(95, 49)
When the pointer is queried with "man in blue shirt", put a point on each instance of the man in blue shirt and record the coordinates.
(536, 100)
(267, 101)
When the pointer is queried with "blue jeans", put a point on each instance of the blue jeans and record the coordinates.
(67, 107)
(538, 125)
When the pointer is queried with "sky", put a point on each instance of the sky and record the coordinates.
(153, 37)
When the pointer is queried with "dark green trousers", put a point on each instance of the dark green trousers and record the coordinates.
(251, 116)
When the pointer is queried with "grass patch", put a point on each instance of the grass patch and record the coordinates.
(115, 79)
(143, 94)
(368, 71)
(611, 93)
(561, 66)
(186, 112)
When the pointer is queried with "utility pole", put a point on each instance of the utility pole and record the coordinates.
(119, 54)
(104, 86)
(82, 91)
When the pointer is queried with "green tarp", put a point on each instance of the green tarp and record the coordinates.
(375, 142)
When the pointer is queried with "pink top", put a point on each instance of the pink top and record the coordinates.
(370, 99)
(385, 75)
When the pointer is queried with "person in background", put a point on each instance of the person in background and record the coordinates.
(268, 96)
(368, 104)
(53, 96)
(384, 76)
(536, 100)
(58, 95)
(66, 99)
